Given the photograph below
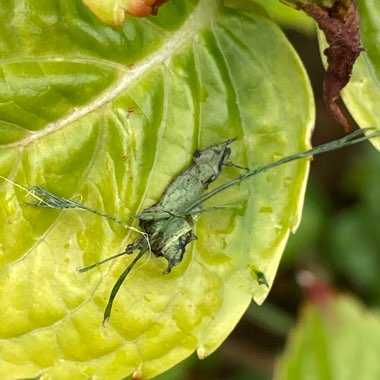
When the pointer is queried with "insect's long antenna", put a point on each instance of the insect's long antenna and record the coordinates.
(351, 139)
(85, 269)
(50, 200)
(23, 188)
(118, 283)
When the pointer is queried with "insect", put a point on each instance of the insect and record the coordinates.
(167, 226)
(169, 230)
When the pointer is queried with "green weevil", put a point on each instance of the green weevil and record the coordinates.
(167, 226)
(168, 231)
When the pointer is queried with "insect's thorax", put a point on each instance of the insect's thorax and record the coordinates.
(187, 186)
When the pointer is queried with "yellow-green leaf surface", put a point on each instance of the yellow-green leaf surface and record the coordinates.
(109, 116)
(339, 340)
(362, 94)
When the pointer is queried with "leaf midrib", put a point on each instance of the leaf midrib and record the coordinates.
(199, 19)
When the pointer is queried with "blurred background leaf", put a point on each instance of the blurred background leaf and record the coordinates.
(338, 339)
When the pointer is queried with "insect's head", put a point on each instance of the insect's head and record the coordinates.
(218, 153)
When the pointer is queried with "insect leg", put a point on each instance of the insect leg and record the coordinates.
(85, 269)
(232, 164)
(118, 284)
(198, 210)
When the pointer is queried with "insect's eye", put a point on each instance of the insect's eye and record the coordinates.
(197, 154)
(227, 152)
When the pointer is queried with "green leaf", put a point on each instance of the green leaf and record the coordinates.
(287, 16)
(313, 226)
(109, 117)
(362, 94)
(338, 340)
